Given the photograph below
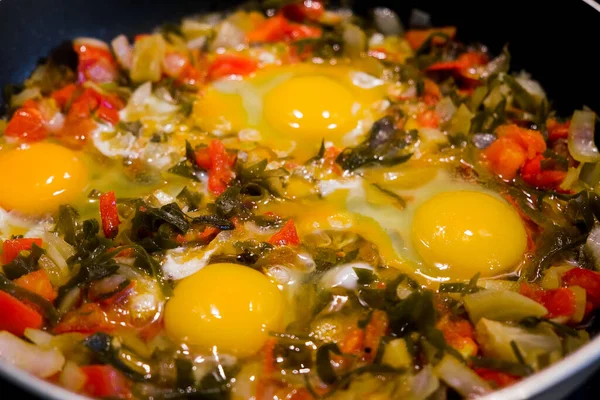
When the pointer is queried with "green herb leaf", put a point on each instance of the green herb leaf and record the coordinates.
(23, 264)
(385, 145)
(324, 368)
(46, 308)
(365, 276)
(191, 199)
(109, 351)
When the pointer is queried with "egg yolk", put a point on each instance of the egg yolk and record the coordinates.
(462, 233)
(228, 306)
(38, 178)
(311, 107)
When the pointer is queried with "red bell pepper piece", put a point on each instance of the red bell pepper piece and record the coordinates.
(12, 247)
(588, 280)
(416, 37)
(307, 10)
(105, 381)
(89, 318)
(286, 236)
(95, 64)
(109, 214)
(16, 316)
(278, 28)
(549, 179)
(27, 124)
(38, 282)
(218, 163)
(428, 119)
(557, 130)
(64, 95)
(231, 64)
(500, 379)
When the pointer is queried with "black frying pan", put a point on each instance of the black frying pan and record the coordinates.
(554, 40)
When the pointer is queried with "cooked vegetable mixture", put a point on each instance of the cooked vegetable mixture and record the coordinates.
(293, 202)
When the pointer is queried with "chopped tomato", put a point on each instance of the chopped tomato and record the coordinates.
(505, 157)
(209, 233)
(64, 95)
(104, 381)
(278, 28)
(26, 124)
(377, 328)
(557, 130)
(559, 302)
(16, 316)
(588, 280)
(548, 179)
(500, 379)
(173, 64)
(307, 10)
(231, 64)
(353, 342)
(431, 93)
(515, 145)
(416, 37)
(109, 214)
(286, 236)
(531, 141)
(459, 334)
(463, 62)
(95, 64)
(428, 119)
(219, 165)
(89, 318)
(108, 114)
(38, 282)
(84, 104)
(12, 247)
(269, 356)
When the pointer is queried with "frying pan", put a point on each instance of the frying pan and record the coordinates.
(553, 40)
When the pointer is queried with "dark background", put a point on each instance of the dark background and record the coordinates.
(556, 41)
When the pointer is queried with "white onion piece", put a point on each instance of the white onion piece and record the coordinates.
(123, 51)
(87, 41)
(446, 109)
(424, 384)
(179, 263)
(20, 98)
(593, 244)
(228, 36)
(29, 357)
(38, 337)
(196, 43)
(531, 86)
(72, 377)
(355, 40)
(581, 137)
(387, 21)
(141, 94)
(344, 276)
(461, 378)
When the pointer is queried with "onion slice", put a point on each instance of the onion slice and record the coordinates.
(123, 51)
(387, 22)
(581, 137)
(31, 358)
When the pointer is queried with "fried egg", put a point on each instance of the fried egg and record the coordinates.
(446, 229)
(37, 178)
(225, 306)
(292, 108)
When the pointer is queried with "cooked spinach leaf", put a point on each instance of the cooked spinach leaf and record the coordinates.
(385, 145)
